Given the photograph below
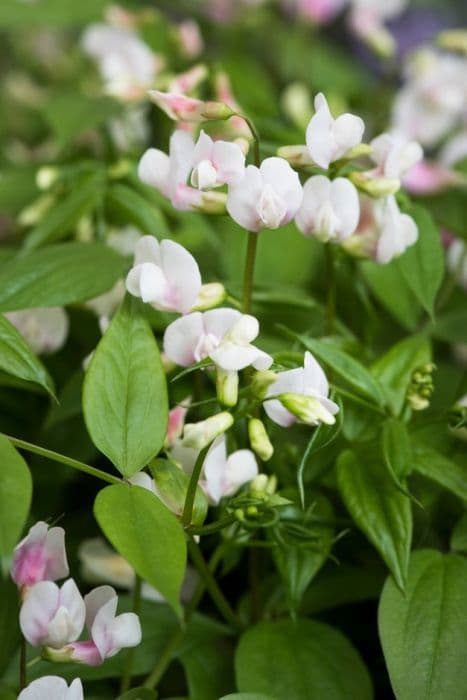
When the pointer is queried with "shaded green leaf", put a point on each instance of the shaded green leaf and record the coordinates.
(441, 469)
(15, 495)
(130, 206)
(397, 450)
(391, 289)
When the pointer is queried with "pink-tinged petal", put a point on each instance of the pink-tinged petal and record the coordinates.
(314, 378)
(30, 560)
(182, 337)
(243, 198)
(218, 322)
(85, 653)
(143, 480)
(348, 131)
(229, 161)
(38, 609)
(176, 421)
(148, 282)
(95, 600)
(57, 563)
(153, 170)
(203, 148)
(101, 630)
(178, 107)
(182, 273)
(147, 250)
(125, 632)
(241, 468)
(346, 205)
(52, 688)
(181, 159)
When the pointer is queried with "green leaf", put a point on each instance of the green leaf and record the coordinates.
(394, 369)
(146, 534)
(346, 367)
(451, 325)
(131, 207)
(58, 275)
(17, 359)
(247, 696)
(442, 470)
(422, 265)
(10, 634)
(208, 668)
(397, 450)
(423, 630)
(71, 113)
(391, 289)
(65, 214)
(343, 585)
(15, 495)
(378, 508)
(300, 660)
(172, 486)
(458, 541)
(125, 401)
(139, 694)
(50, 13)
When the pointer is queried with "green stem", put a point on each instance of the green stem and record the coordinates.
(212, 527)
(22, 664)
(255, 135)
(211, 584)
(126, 677)
(249, 270)
(331, 295)
(62, 459)
(192, 486)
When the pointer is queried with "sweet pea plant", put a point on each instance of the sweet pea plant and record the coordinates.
(232, 352)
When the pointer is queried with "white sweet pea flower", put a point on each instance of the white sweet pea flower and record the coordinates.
(306, 381)
(109, 632)
(216, 163)
(127, 65)
(40, 556)
(330, 209)
(164, 275)
(52, 688)
(44, 329)
(394, 155)
(266, 197)
(52, 616)
(396, 231)
(223, 335)
(329, 139)
(223, 475)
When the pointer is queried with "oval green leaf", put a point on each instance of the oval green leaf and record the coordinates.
(17, 358)
(58, 275)
(15, 495)
(435, 466)
(423, 630)
(378, 508)
(146, 534)
(300, 660)
(125, 401)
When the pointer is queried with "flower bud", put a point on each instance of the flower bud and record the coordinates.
(210, 202)
(296, 103)
(211, 295)
(41, 556)
(261, 382)
(189, 109)
(375, 186)
(307, 409)
(227, 386)
(46, 177)
(297, 156)
(263, 485)
(453, 40)
(171, 484)
(421, 387)
(35, 212)
(358, 151)
(200, 435)
(259, 439)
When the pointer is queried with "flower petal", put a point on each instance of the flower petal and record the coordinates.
(39, 607)
(181, 338)
(153, 170)
(243, 198)
(182, 273)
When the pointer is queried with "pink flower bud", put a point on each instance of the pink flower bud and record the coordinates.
(189, 109)
(40, 556)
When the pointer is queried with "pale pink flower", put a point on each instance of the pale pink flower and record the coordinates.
(51, 616)
(164, 275)
(266, 197)
(52, 688)
(223, 475)
(330, 209)
(428, 177)
(190, 38)
(223, 335)
(329, 139)
(308, 381)
(394, 155)
(186, 82)
(109, 632)
(40, 556)
(44, 329)
(188, 109)
(318, 11)
(216, 163)
(177, 421)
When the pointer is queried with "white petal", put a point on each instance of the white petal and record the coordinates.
(284, 180)
(346, 205)
(241, 468)
(218, 322)
(125, 632)
(153, 170)
(102, 625)
(214, 468)
(72, 600)
(243, 198)
(203, 148)
(182, 337)
(147, 250)
(52, 688)
(143, 480)
(181, 159)
(183, 276)
(348, 131)
(229, 161)
(75, 691)
(95, 600)
(57, 564)
(316, 191)
(292, 381)
(148, 282)
(38, 609)
(230, 356)
(320, 140)
(314, 378)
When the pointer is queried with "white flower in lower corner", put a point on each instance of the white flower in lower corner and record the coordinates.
(223, 335)
(266, 197)
(44, 329)
(40, 556)
(52, 688)
(109, 632)
(164, 275)
(52, 616)
(329, 139)
(330, 209)
(223, 475)
(307, 381)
